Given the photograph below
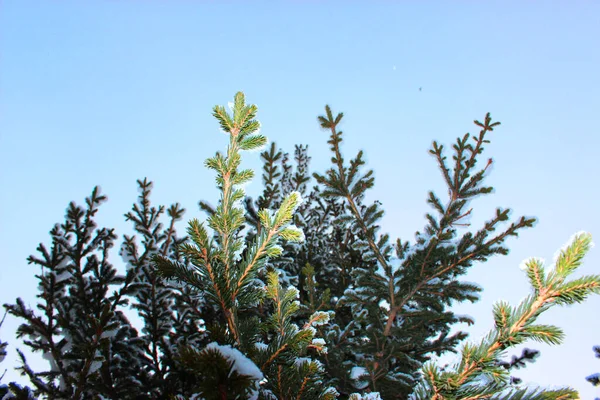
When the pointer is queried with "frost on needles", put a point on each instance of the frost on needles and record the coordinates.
(293, 295)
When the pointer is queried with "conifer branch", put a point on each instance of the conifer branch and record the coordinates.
(339, 182)
(228, 272)
(412, 299)
(479, 372)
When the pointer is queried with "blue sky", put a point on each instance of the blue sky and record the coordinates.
(106, 92)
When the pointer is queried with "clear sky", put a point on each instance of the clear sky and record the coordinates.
(106, 92)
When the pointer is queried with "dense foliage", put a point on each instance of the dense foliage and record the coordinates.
(296, 294)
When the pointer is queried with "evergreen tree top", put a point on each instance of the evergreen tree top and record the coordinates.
(297, 295)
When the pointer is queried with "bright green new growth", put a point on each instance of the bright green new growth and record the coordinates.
(226, 271)
(478, 375)
(229, 281)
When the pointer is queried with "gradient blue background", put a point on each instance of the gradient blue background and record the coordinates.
(106, 92)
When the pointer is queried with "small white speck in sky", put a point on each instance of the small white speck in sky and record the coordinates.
(394, 68)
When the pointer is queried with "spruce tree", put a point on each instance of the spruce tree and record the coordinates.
(256, 348)
(171, 314)
(293, 295)
(80, 328)
(399, 293)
